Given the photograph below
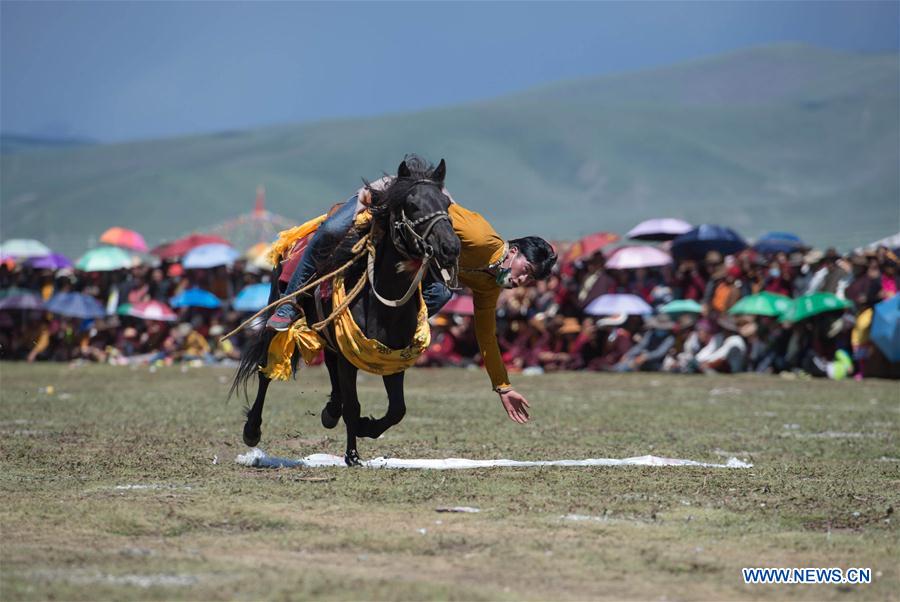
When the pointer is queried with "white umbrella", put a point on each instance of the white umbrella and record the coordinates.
(24, 248)
(630, 258)
(607, 305)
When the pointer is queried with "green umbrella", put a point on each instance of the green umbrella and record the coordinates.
(24, 247)
(808, 306)
(104, 259)
(762, 304)
(681, 306)
(124, 309)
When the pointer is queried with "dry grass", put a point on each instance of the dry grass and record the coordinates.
(74, 526)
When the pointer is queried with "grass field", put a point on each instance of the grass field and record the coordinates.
(110, 489)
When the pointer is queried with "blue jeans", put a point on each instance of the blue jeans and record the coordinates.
(323, 242)
(329, 235)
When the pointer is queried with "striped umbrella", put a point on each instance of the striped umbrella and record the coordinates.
(125, 238)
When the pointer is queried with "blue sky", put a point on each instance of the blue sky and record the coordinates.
(116, 71)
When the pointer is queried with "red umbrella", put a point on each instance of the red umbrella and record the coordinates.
(590, 244)
(153, 310)
(125, 238)
(181, 246)
(459, 304)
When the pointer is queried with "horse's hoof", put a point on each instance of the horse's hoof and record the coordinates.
(251, 438)
(351, 458)
(329, 421)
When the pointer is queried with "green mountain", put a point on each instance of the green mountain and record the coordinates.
(775, 138)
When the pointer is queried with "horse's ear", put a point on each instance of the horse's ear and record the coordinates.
(403, 170)
(440, 172)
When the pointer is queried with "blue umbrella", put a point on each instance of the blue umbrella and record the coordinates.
(779, 242)
(705, 238)
(886, 328)
(195, 297)
(252, 298)
(209, 256)
(75, 305)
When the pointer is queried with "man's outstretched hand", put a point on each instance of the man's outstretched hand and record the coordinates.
(515, 405)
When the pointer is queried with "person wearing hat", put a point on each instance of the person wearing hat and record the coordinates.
(650, 352)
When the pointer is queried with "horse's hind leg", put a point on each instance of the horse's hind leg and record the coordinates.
(347, 375)
(331, 413)
(253, 426)
(393, 384)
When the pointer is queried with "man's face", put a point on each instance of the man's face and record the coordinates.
(521, 273)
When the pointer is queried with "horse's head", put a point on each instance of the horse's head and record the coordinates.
(414, 208)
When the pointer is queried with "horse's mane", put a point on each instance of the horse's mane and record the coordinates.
(385, 201)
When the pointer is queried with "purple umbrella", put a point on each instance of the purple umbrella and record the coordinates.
(24, 302)
(659, 229)
(54, 261)
(607, 305)
(630, 258)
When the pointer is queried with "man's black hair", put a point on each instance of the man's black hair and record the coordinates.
(539, 254)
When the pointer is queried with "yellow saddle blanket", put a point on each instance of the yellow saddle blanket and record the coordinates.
(364, 353)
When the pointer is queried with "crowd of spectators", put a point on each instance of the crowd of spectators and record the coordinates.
(540, 329)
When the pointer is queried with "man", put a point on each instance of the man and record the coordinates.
(487, 265)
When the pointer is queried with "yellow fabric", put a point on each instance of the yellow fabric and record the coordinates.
(860, 333)
(371, 355)
(281, 349)
(481, 246)
(287, 238)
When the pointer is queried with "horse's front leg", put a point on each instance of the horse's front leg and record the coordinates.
(331, 413)
(347, 376)
(253, 426)
(374, 428)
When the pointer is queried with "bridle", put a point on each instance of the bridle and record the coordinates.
(412, 245)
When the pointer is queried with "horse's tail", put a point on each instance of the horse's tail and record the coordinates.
(255, 352)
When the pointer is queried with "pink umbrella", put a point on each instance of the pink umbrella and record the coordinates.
(662, 228)
(630, 258)
(125, 238)
(153, 310)
(459, 304)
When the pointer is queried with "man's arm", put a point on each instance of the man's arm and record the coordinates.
(486, 333)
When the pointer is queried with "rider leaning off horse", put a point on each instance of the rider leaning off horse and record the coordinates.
(487, 265)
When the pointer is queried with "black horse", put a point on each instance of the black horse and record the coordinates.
(412, 214)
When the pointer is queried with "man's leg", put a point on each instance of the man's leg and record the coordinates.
(436, 295)
(323, 242)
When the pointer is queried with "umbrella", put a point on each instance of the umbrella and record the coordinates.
(253, 297)
(681, 306)
(590, 244)
(629, 258)
(778, 242)
(606, 305)
(124, 309)
(24, 301)
(808, 306)
(762, 304)
(15, 291)
(462, 305)
(659, 229)
(195, 297)
(24, 248)
(123, 237)
(885, 332)
(75, 305)
(152, 310)
(104, 259)
(181, 246)
(707, 237)
(53, 261)
(209, 256)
